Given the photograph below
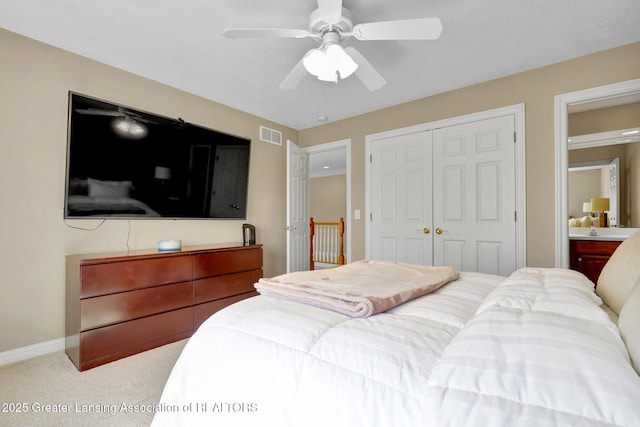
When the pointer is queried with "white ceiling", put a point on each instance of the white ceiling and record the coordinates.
(328, 163)
(180, 43)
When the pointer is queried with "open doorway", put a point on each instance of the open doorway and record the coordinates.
(329, 186)
(606, 96)
(299, 166)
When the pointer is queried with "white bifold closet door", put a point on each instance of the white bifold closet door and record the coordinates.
(401, 193)
(446, 197)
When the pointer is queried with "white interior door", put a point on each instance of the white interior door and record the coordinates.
(400, 217)
(297, 208)
(474, 196)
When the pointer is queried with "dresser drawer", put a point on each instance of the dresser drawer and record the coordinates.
(120, 307)
(214, 288)
(590, 256)
(111, 277)
(120, 338)
(217, 263)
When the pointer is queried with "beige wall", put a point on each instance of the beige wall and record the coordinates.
(34, 84)
(35, 79)
(604, 119)
(328, 198)
(632, 172)
(583, 185)
(536, 89)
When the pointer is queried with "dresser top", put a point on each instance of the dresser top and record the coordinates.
(146, 253)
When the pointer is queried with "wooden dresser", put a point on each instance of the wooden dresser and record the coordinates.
(119, 304)
(590, 256)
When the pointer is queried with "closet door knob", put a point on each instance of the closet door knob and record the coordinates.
(438, 230)
(426, 230)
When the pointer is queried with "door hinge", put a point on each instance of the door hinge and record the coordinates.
(514, 137)
(515, 215)
(370, 158)
(370, 216)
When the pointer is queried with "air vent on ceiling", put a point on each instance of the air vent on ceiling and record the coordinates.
(270, 135)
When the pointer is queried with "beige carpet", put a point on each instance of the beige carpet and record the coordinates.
(115, 394)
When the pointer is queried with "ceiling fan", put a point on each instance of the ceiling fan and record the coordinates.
(120, 112)
(330, 24)
(125, 123)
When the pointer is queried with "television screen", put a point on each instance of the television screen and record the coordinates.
(125, 163)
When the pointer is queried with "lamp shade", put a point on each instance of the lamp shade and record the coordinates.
(162, 172)
(586, 207)
(600, 204)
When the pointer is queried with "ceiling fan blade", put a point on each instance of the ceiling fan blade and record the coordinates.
(330, 10)
(143, 120)
(407, 29)
(98, 112)
(295, 76)
(365, 71)
(241, 33)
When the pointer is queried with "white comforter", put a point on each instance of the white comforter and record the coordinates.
(532, 350)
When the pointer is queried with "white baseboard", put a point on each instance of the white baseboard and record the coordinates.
(30, 351)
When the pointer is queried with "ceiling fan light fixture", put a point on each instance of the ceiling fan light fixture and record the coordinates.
(336, 56)
(314, 61)
(328, 75)
(127, 127)
(328, 61)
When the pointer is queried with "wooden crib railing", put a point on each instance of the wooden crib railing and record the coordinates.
(326, 242)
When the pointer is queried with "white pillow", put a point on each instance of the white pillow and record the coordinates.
(586, 221)
(109, 189)
(550, 290)
(629, 325)
(620, 273)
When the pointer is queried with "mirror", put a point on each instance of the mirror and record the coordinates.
(606, 160)
(593, 179)
(606, 96)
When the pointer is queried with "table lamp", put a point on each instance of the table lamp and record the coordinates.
(600, 205)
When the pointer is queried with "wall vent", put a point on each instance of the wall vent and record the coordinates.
(270, 135)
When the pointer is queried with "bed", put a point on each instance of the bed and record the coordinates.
(92, 197)
(108, 206)
(537, 348)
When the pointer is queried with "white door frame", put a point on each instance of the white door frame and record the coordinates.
(562, 103)
(518, 110)
(329, 146)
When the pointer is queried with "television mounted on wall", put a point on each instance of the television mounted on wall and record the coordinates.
(131, 164)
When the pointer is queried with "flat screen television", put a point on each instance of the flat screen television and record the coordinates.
(126, 163)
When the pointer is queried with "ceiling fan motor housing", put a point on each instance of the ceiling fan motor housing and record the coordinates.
(319, 25)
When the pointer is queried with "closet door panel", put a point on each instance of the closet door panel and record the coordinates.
(474, 196)
(400, 176)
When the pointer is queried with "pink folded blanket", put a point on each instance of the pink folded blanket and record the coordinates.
(358, 289)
